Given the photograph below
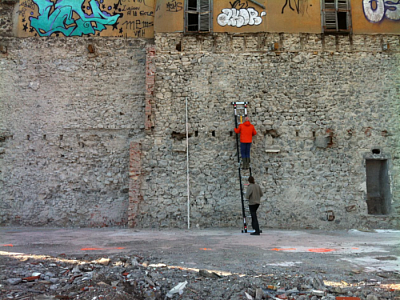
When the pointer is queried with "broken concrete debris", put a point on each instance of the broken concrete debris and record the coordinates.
(125, 276)
(177, 289)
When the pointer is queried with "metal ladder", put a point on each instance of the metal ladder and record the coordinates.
(241, 106)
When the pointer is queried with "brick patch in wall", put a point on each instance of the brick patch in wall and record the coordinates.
(150, 78)
(135, 196)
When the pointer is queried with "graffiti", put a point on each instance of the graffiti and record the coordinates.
(239, 5)
(137, 25)
(173, 6)
(376, 10)
(59, 18)
(238, 16)
(300, 6)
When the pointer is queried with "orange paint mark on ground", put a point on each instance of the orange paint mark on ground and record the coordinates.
(283, 249)
(347, 298)
(320, 250)
(8, 245)
(99, 249)
(92, 249)
(205, 249)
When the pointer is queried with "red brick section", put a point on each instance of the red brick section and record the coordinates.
(149, 96)
(135, 170)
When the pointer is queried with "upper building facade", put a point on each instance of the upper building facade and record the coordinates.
(144, 18)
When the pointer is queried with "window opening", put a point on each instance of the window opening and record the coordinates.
(336, 16)
(376, 151)
(198, 16)
(378, 187)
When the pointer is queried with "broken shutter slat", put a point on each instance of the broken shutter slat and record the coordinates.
(205, 22)
(204, 15)
(343, 5)
(330, 20)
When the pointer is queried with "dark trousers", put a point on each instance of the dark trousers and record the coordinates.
(245, 150)
(254, 220)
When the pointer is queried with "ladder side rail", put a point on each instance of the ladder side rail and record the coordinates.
(240, 175)
(237, 136)
(242, 200)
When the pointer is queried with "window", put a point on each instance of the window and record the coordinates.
(336, 16)
(198, 16)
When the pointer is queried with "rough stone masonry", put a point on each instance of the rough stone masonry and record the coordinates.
(326, 103)
(93, 132)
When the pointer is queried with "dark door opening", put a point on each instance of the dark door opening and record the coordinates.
(378, 187)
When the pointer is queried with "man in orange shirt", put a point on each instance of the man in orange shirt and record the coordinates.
(247, 131)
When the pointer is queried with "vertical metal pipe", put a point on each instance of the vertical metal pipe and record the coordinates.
(187, 165)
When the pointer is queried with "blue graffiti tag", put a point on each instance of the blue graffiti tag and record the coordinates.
(61, 18)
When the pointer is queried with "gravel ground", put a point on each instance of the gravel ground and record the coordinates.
(169, 268)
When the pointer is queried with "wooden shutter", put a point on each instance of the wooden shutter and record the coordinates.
(204, 15)
(343, 5)
(334, 12)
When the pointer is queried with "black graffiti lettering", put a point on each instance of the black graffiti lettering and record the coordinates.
(146, 13)
(300, 6)
(174, 6)
(129, 24)
(138, 24)
(139, 33)
(142, 1)
(238, 4)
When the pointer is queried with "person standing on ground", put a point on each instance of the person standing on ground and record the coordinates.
(247, 131)
(254, 194)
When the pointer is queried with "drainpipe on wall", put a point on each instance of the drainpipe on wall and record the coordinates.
(187, 164)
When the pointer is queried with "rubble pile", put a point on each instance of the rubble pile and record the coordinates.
(137, 277)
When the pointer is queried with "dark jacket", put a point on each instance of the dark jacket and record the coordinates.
(254, 193)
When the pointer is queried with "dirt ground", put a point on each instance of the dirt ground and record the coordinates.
(215, 263)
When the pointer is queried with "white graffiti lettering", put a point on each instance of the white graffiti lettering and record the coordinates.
(239, 17)
(376, 10)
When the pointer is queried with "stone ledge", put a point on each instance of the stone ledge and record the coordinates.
(274, 42)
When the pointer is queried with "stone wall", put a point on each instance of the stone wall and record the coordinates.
(69, 109)
(93, 133)
(6, 17)
(323, 102)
